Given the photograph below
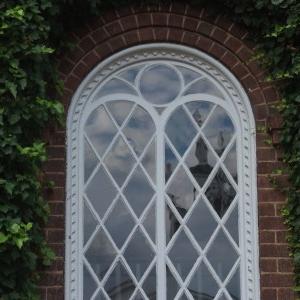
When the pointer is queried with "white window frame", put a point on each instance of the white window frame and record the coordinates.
(236, 101)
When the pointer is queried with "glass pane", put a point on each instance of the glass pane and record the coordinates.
(119, 284)
(232, 224)
(138, 191)
(100, 129)
(231, 162)
(222, 255)
(201, 223)
(90, 160)
(160, 84)
(233, 287)
(100, 296)
(180, 130)
(100, 253)
(172, 285)
(89, 284)
(90, 223)
(220, 193)
(172, 224)
(184, 297)
(149, 160)
(150, 221)
(131, 73)
(182, 192)
(115, 86)
(188, 74)
(200, 161)
(119, 110)
(119, 161)
(119, 223)
(223, 297)
(138, 254)
(219, 130)
(183, 254)
(138, 296)
(101, 191)
(170, 161)
(204, 86)
(199, 110)
(149, 285)
(139, 130)
(202, 285)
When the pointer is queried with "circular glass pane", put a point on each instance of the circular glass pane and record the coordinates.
(160, 84)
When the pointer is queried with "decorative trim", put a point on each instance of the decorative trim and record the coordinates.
(243, 113)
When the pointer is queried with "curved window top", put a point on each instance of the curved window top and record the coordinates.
(159, 82)
(161, 180)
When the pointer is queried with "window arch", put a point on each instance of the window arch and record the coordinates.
(161, 191)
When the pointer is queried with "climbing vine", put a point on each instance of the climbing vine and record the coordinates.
(31, 32)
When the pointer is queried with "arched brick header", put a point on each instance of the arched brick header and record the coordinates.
(225, 41)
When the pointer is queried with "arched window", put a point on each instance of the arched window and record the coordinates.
(161, 180)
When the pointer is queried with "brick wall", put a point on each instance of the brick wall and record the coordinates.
(220, 38)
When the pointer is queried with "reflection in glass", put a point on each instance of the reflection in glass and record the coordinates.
(172, 224)
(200, 161)
(138, 191)
(231, 162)
(138, 254)
(199, 110)
(89, 284)
(149, 285)
(100, 129)
(150, 221)
(233, 287)
(115, 86)
(90, 160)
(139, 130)
(100, 253)
(119, 223)
(188, 74)
(159, 84)
(202, 285)
(232, 224)
(203, 86)
(222, 255)
(220, 193)
(184, 297)
(170, 161)
(180, 130)
(223, 297)
(182, 192)
(131, 73)
(119, 161)
(119, 110)
(90, 222)
(138, 296)
(149, 160)
(183, 254)
(101, 191)
(219, 130)
(119, 285)
(201, 223)
(172, 285)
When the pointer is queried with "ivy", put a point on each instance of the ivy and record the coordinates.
(31, 33)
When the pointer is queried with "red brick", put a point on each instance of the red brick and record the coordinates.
(129, 22)
(191, 24)
(55, 194)
(204, 43)
(233, 44)
(270, 195)
(81, 70)
(266, 237)
(285, 265)
(229, 60)
(52, 279)
(56, 236)
(286, 294)
(266, 154)
(175, 20)
(91, 59)
(268, 294)
(55, 293)
(268, 167)
(146, 34)
(245, 54)
(266, 209)
(205, 28)
(131, 37)
(144, 20)
(190, 38)
(238, 31)
(117, 43)
(56, 151)
(72, 82)
(271, 94)
(54, 165)
(281, 236)
(278, 250)
(273, 223)
(160, 19)
(86, 44)
(160, 33)
(268, 265)
(99, 35)
(56, 222)
(175, 35)
(277, 280)
(219, 35)
(217, 50)
(57, 208)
